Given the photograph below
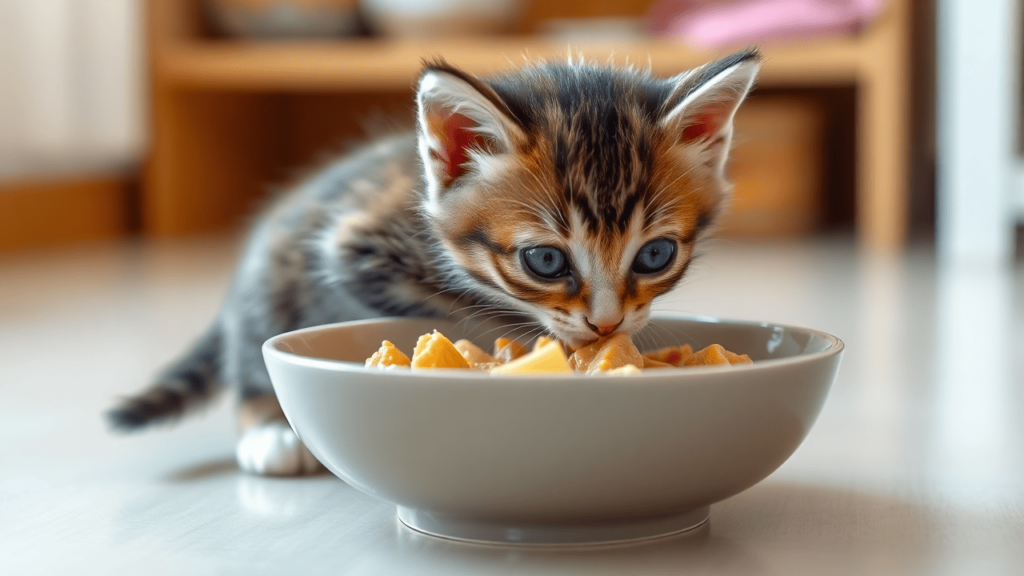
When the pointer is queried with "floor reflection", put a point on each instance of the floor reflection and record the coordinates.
(697, 551)
(274, 497)
(880, 353)
(974, 437)
(748, 534)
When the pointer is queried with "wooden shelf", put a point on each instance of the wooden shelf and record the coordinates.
(376, 64)
(227, 114)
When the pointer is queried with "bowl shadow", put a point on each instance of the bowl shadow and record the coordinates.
(743, 536)
(203, 470)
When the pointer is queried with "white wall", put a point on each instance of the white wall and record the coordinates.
(71, 79)
(978, 112)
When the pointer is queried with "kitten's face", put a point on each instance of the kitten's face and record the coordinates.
(576, 194)
(582, 267)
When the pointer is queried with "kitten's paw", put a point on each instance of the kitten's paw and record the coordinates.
(272, 449)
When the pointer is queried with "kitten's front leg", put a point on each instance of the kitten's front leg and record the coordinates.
(264, 303)
(268, 446)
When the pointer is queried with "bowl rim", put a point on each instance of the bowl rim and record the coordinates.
(270, 348)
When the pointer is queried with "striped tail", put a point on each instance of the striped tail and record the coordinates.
(183, 386)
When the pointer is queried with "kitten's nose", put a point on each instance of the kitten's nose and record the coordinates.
(604, 327)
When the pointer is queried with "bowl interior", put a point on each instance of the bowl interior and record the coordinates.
(353, 342)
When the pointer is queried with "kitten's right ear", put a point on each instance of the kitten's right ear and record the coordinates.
(462, 123)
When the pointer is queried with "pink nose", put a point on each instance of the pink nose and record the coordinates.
(604, 327)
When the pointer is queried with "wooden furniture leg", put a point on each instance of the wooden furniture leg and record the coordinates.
(883, 132)
(211, 153)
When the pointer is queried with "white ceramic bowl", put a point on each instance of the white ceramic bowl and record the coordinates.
(552, 460)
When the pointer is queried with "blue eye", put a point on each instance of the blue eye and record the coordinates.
(654, 256)
(545, 262)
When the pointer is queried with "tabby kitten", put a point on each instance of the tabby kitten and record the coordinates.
(568, 194)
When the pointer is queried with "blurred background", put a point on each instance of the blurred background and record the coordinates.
(176, 117)
(887, 121)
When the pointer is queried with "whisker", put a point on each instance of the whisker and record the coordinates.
(678, 331)
(488, 314)
(511, 328)
(530, 334)
(642, 335)
(673, 338)
(644, 339)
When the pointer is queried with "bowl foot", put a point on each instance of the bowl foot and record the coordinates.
(550, 533)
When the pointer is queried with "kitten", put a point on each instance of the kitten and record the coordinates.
(571, 195)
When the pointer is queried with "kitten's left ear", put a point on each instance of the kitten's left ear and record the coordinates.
(703, 102)
(462, 121)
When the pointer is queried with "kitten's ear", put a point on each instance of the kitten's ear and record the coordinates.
(461, 121)
(702, 103)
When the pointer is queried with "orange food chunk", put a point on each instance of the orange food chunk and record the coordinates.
(541, 341)
(584, 356)
(737, 358)
(686, 350)
(713, 355)
(606, 354)
(548, 359)
(435, 351)
(475, 356)
(615, 354)
(674, 355)
(651, 363)
(626, 370)
(506, 350)
(387, 355)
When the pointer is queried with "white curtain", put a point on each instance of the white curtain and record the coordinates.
(71, 80)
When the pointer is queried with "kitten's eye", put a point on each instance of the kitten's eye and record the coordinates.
(545, 261)
(654, 256)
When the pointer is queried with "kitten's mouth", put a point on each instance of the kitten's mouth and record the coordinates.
(577, 342)
(579, 339)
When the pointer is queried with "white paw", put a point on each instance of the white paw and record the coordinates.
(272, 449)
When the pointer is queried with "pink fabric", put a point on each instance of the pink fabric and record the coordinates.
(718, 23)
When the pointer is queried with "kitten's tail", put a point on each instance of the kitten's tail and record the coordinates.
(188, 383)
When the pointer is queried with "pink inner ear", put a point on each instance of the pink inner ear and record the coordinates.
(456, 137)
(706, 123)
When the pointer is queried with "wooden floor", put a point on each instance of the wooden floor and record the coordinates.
(915, 466)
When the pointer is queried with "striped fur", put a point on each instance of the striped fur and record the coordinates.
(186, 384)
(593, 160)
